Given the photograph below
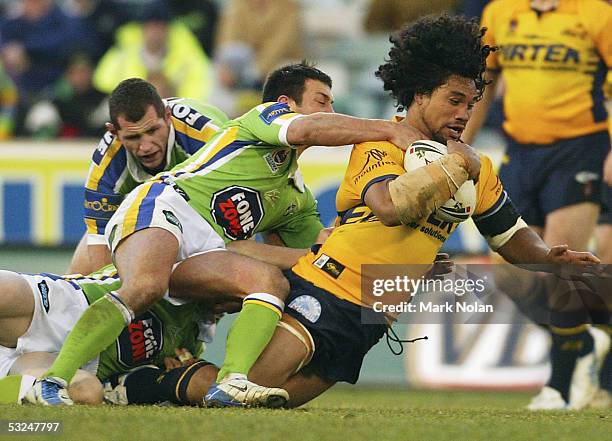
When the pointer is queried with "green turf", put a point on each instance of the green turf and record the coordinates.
(344, 414)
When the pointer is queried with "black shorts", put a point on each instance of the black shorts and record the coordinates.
(543, 178)
(341, 340)
(605, 217)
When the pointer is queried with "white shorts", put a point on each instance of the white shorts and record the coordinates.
(58, 304)
(158, 205)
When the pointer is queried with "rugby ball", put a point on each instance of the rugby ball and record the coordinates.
(462, 205)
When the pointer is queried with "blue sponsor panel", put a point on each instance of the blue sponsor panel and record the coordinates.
(73, 226)
(17, 212)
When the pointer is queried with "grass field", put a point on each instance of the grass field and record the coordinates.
(342, 414)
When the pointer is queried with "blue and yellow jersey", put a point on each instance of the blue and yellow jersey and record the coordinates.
(360, 238)
(114, 172)
(553, 64)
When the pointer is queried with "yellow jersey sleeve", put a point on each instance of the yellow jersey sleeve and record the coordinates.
(489, 188)
(370, 162)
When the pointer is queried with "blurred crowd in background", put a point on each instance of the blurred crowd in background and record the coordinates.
(59, 59)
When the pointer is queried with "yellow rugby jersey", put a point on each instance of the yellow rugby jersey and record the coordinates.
(554, 66)
(360, 238)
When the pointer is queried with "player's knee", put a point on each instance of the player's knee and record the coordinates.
(140, 296)
(86, 390)
(272, 281)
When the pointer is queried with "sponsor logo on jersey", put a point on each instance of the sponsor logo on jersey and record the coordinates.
(141, 341)
(329, 265)
(172, 219)
(238, 210)
(544, 53)
(308, 307)
(43, 289)
(276, 159)
(272, 112)
(188, 115)
(375, 158)
(99, 205)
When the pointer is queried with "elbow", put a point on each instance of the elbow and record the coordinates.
(388, 217)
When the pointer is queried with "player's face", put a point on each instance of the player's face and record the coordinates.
(147, 138)
(446, 112)
(317, 97)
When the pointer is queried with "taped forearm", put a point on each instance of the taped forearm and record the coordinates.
(420, 192)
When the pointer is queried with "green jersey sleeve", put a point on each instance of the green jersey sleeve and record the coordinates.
(267, 122)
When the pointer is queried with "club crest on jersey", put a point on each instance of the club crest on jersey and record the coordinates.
(141, 341)
(238, 210)
(272, 112)
(308, 307)
(276, 159)
(43, 288)
(329, 265)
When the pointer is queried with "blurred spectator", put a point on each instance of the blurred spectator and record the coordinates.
(8, 103)
(75, 109)
(162, 84)
(201, 16)
(103, 17)
(35, 45)
(269, 32)
(390, 15)
(472, 8)
(156, 45)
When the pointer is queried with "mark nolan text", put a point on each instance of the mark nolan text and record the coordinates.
(432, 307)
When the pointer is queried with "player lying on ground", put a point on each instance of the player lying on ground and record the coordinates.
(244, 182)
(435, 71)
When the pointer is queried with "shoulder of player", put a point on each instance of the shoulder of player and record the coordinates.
(381, 145)
(108, 147)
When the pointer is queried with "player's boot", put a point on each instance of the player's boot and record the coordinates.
(548, 399)
(51, 391)
(585, 379)
(237, 391)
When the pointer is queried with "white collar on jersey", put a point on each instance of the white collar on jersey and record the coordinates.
(135, 167)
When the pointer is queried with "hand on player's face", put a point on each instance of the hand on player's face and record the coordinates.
(470, 156)
(448, 109)
(147, 138)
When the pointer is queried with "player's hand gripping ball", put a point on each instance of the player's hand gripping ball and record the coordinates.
(462, 205)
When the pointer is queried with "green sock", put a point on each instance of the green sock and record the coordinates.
(97, 329)
(9, 389)
(250, 333)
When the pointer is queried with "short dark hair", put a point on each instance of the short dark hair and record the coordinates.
(427, 52)
(290, 80)
(131, 98)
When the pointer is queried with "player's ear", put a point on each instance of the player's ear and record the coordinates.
(287, 100)
(167, 113)
(111, 128)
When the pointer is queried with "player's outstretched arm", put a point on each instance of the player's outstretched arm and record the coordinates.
(279, 256)
(526, 247)
(333, 129)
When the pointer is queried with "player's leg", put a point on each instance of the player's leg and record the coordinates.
(79, 264)
(85, 388)
(289, 349)
(144, 237)
(603, 236)
(144, 260)
(305, 386)
(185, 385)
(571, 200)
(16, 307)
(221, 276)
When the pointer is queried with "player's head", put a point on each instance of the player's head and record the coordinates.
(303, 87)
(435, 70)
(141, 121)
